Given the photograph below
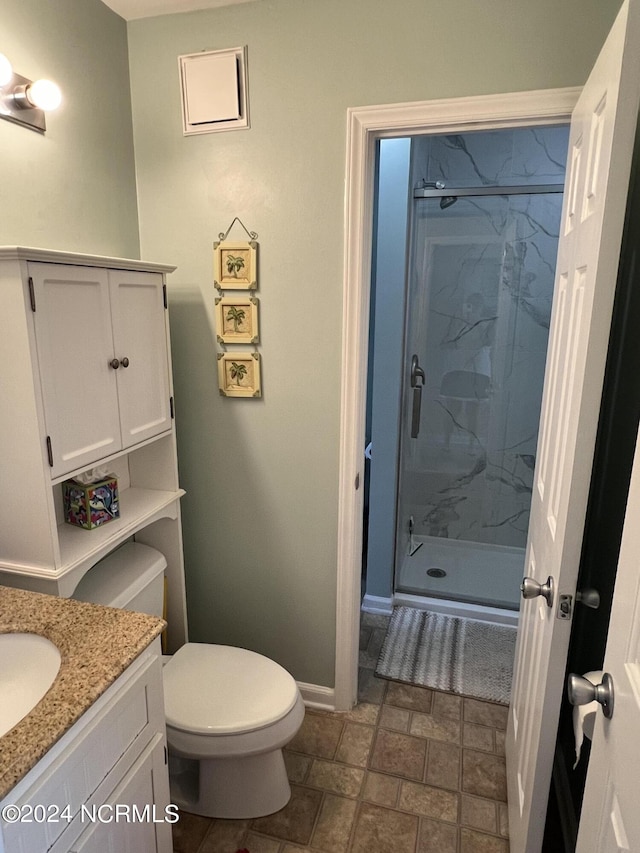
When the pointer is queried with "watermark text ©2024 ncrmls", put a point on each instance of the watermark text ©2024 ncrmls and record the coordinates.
(105, 813)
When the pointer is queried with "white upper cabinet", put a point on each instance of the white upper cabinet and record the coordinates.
(85, 383)
(102, 359)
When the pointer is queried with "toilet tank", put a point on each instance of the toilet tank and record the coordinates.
(131, 578)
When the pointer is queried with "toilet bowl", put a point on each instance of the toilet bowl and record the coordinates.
(229, 711)
(236, 734)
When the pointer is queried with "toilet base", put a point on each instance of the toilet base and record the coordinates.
(245, 787)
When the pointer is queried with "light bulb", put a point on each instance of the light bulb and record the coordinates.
(44, 95)
(6, 71)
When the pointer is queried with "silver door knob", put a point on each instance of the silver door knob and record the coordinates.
(530, 588)
(589, 597)
(581, 691)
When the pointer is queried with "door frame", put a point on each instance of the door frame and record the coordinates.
(365, 126)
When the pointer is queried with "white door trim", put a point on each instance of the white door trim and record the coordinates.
(365, 125)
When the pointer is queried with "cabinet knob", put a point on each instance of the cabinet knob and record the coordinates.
(115, 363)
(124, 362)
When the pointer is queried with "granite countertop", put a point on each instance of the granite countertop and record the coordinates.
(96, 645)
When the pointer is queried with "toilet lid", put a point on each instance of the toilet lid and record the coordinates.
(225, 690)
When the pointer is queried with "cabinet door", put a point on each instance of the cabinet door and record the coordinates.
(129, 822)
(139, 334)
(75, 345)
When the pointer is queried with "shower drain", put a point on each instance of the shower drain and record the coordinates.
(436, 573)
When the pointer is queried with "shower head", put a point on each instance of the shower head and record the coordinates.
(447, 200)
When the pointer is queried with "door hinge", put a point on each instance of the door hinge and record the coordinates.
(32, 295)
(171, 408)
(49, 451)
(165, 755)
(565, 607)
(164, 296)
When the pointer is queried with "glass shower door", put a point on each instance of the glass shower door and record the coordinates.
(479, 300)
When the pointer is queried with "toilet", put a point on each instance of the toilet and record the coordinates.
(229, 711)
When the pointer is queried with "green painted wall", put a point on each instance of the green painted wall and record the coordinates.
(73, 188)
(260, 515)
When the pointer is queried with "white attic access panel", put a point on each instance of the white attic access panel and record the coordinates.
(214, 90)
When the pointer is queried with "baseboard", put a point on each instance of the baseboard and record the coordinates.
(315, 696)
(479, 612)
(377, 604)
(384, 606)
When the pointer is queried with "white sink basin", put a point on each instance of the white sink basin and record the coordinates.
(29, 664)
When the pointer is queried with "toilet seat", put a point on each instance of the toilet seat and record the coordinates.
(223, 690)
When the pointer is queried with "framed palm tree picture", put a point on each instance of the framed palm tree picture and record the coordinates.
(235, 265)
(239, 374)
(237, 320)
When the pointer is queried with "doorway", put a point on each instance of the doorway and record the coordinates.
(543, 640)
(366, 126)
(459, 325)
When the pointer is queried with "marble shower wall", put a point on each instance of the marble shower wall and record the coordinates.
(480, 294)
(520, 156)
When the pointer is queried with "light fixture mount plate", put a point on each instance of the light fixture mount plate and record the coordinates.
(11, 110)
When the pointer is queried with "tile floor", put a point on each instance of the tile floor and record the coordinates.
(409, 770)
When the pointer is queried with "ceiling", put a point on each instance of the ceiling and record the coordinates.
(130, 9)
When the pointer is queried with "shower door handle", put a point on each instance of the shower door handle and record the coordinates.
(415, 412)
(417, 376)
(417, 373)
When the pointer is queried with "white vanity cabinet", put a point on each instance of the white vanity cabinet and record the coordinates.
(102, 360)
(104, 786)
(85, 382)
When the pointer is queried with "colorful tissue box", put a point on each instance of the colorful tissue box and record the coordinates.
(90, 505)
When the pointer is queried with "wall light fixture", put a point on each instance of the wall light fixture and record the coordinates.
(23, 101)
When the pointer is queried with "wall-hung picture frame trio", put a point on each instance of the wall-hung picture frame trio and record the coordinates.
(235, 267)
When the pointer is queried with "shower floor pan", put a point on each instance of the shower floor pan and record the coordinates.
(473, 572)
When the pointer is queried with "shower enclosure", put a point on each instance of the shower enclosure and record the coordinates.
(484, 222)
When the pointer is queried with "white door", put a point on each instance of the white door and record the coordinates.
(600, 147)
(610, 819)
(73, 336)
(140, 345)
